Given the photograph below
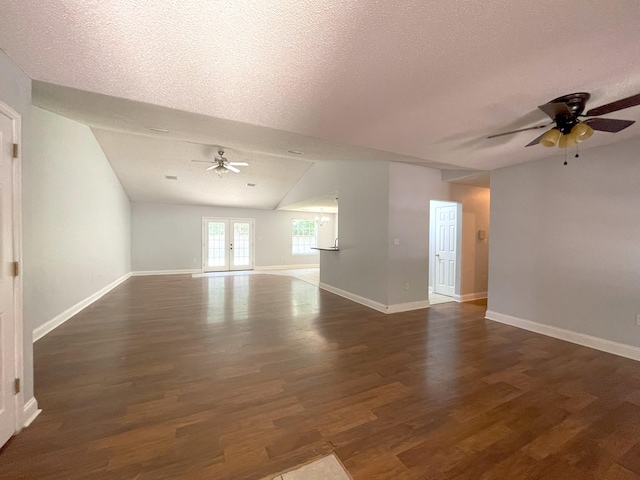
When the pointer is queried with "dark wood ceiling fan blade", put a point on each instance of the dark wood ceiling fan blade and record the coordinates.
(535, 141)
(554, 109)
(628, 102)
(517, 131)
(608, 124)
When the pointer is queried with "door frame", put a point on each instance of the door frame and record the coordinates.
(229, 220)
(17, 252)
(432, 244)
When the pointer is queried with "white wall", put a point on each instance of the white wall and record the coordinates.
(169, 237)
(15, 91)
(565, 245)
(76, 219)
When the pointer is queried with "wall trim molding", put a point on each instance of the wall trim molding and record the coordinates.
(286, 267)
(367, 302)
(609, 346)
(29, 412)
(59, 319)
(408, 306)
(467, 297)
(144, 273)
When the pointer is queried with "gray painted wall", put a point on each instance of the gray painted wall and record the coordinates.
(169, 237)
(412, 188)
(361, 265)
(76, 220)
(565, 245)
(15, 91)
(380, 202)
(321, 178)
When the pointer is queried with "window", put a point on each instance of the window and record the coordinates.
(303, 237)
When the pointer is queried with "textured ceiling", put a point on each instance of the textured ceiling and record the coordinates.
(134, 159)
(423, 78)
(142, 163)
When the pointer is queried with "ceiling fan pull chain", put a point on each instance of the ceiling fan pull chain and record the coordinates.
(565, 157)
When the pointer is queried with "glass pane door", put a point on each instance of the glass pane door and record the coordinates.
(241, 258)
(227, 244)
(216, 245)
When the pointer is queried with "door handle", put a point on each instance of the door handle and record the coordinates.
(437, 255)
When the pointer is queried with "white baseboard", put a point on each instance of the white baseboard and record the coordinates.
(144, 273)
(367, 302)
(467, 297)
(583, 339)
(407, 307)
(29, 412)
(59, 319)
(286, 267)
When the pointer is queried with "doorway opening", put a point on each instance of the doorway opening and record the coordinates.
(227, 244)
(445, 241)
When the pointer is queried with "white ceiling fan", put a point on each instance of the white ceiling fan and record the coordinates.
(221, 165)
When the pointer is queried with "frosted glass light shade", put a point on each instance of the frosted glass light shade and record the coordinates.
(581, 132)
(550, 138)
(567, 141)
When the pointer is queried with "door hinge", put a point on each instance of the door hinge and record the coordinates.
(16, 269)
(15, 150)
(16, 386)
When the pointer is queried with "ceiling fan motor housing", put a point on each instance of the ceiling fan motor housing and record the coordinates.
(576, 103)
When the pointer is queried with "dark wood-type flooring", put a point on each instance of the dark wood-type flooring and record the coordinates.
(238, 377)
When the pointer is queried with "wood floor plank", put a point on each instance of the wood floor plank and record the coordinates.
(239, 377)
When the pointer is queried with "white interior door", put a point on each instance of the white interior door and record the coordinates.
(8, 410)
(446, 238)
(227, 244)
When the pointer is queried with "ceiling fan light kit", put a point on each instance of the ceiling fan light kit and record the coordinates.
(221, 165)
(551, 138)
(578, 133)
(569, 130)
(220, 170)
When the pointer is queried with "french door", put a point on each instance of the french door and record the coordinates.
(227, 244)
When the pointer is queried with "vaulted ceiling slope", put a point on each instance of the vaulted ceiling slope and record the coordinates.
(423, 78)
